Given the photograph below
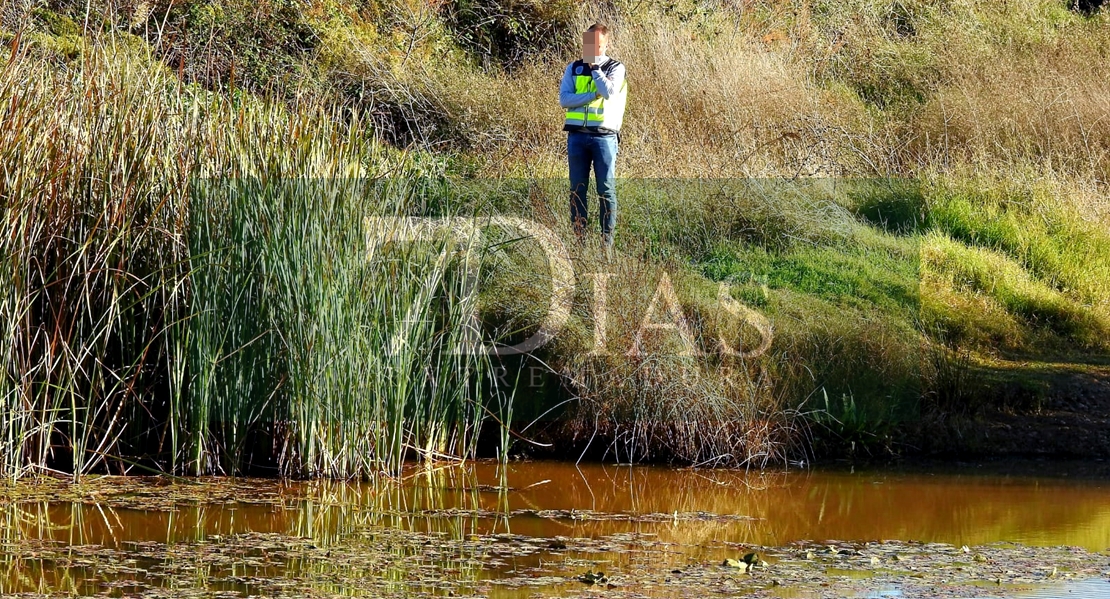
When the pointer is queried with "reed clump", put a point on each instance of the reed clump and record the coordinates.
(188, 285)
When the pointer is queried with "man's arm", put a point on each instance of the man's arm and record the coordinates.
(567, 97)
(607, 85)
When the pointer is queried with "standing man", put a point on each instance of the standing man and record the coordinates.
(593, 93)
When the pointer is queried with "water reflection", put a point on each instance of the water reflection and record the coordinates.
(788, 506)
(695, 509)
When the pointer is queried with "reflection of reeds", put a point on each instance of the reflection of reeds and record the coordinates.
(443, 524)
(403, 519)
(175, 301)
(392, 532)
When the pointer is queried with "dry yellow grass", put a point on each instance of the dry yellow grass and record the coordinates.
(768, 95)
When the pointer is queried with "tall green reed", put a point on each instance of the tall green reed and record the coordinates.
(352, 358)
(89, 239)
(187, 286)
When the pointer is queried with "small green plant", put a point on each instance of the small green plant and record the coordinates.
(855, 429)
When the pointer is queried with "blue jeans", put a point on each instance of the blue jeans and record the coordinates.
(600, 151)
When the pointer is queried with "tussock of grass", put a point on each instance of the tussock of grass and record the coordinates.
(644, 396)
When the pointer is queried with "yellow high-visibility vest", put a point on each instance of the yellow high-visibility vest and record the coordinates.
(604, 115)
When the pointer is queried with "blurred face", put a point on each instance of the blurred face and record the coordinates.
(594, 45)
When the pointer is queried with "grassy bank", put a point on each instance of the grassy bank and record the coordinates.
(910, 195)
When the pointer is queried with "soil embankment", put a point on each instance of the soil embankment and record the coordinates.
(1059, 411)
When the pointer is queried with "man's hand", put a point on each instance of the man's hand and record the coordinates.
(594, 70)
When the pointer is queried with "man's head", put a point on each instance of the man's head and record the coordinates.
(595, 41)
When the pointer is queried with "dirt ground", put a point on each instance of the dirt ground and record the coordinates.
(1049, 410)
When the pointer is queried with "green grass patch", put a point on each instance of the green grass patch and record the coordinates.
(859, 279)
(1056, 246)
(975, 270)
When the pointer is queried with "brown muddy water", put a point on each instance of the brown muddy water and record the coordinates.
(543, 529)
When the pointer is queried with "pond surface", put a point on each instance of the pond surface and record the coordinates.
(537, 528)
